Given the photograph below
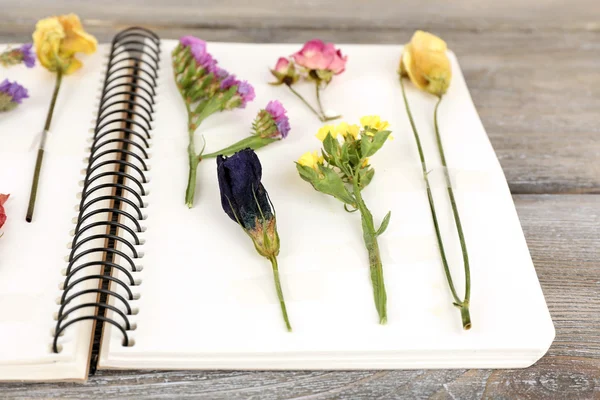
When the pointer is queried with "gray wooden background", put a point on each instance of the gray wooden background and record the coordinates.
(533, 68)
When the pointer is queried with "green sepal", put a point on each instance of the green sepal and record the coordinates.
(365, 176)
(371, 144)
(332, 147)
(326, 181)
(384, 224)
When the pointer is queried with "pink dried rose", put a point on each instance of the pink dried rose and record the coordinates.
(317, 55)
(3, 198)
(319, 62)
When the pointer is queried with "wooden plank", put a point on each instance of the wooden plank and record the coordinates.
(537, 92)
(562, 232)
(483, 15)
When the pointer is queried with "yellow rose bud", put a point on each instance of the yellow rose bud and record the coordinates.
(58, 39)
(425, 62)
(311, 160)
(324, 130)
(344, 129)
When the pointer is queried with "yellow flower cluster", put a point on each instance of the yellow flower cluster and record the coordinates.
(344, 129)
(58, 39)
(425, 62)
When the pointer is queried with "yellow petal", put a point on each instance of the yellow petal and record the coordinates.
(47, 38)
(344, 129)
(73, 66)
(425, 41)
(76, 40)
(324, 130)
(374, 122)
(425, 62)
(311, 160)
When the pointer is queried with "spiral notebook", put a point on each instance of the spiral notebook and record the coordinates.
(116, 272)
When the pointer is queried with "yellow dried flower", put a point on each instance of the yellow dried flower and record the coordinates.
(425, 62)
(324, 130)
(58, 39)
(374, 122)
(311, 160)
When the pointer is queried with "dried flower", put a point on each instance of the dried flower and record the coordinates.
(3, 199)
(11, 95)
(23, 54)
(311, 160)
(245, 201)
(322, 60)
(206, 89)
(344, 172)
(425, 62)
(319, 62)
(285, 72)
(58, 39)
(270, 125)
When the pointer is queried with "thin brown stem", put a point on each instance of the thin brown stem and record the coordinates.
(40, 153)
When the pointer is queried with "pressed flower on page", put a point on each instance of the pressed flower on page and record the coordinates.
(23, 54)
(245, 200)
(317, 62)
(425, 62)
(11, 95)
(57, 41)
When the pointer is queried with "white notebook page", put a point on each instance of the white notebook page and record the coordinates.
(32, 255)
(208, 299)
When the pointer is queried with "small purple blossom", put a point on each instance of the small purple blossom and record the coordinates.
(277, 111)
(11, 94)
(28, 55)
(246, 92)
(229, 81)
(221, 73)
(197, 46)
(198, 49)
(14, 90)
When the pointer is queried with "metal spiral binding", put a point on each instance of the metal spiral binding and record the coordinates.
(118, 162)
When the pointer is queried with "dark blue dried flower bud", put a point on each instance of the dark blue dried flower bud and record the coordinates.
(243, 196)
(245, 200)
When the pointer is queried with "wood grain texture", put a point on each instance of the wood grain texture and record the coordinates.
(562, 233)
(532, 67)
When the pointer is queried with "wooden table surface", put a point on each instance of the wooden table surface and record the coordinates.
(533, 69)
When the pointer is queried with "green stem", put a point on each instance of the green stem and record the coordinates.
(462, 305)
(311, 108)
(253, 142)
(40, 153)
(461, 236)
(275, 266)
(375, 264)
(193, 160)
(324, 117)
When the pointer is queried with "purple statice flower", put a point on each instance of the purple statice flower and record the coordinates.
(221, 73)
(198, 49)
(28, 55)
(23, 54)
(246, 92)
(277, 111)
(197, 46)
(229, 81)
(11, 94)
